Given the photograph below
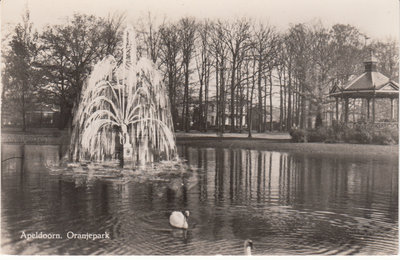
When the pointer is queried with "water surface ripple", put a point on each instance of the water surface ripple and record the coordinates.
(287, 204)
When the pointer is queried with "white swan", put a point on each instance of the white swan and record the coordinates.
(248, 245)
(179, 220)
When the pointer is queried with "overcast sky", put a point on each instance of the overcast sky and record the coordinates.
(377, 18)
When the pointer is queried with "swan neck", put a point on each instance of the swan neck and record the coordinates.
(185, 222)
(248, 250)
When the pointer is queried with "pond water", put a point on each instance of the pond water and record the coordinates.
(287, 204)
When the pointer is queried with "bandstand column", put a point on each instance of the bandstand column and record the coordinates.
(346, 110)
(373, 107)
(368, 113)
(337, 109)
(391, 110)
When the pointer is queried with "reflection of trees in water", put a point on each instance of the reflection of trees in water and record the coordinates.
(304, 181)
(219, 175)
(247, 189)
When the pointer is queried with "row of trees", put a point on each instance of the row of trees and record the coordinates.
(250, 72)
(52, 67)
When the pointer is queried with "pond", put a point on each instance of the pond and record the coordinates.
(287, 204)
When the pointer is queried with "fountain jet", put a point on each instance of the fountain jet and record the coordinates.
(124, 112)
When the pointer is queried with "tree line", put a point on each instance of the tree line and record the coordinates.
(255, 76)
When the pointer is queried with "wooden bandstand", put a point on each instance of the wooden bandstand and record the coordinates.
(369, 87)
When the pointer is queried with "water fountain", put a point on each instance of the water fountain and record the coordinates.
(124, 112)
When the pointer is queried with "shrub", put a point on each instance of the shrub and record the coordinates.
(395, 135)
(382, 138)
(386, 137)
(363, 137)
(321, 134)
(348, 135)
(341, 132)
(363, 134)
(297, 134)
(339, 127)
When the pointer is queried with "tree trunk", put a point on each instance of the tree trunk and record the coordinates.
(270, 102)
(200, 118)
(289, 103)
(260, 99)
(280, 102)
(186, 116)
(265, 112)
(241, 106)
(250, 119)
(298, 102)
(303, 110)
(318, 120)
(23, 111)
(222, 97)
(233, 94)
(285, 101)
(207, 79)
(309, 109)
(247, 99)
(217, 90)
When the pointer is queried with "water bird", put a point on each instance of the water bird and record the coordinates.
(179, 219)
(248, 246)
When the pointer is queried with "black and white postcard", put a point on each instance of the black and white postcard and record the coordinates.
(200, 128)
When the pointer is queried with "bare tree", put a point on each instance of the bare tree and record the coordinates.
(171, 64)
(281, 72)
(150, 35)
(236, 37)
(203, 64)
(219, 50)
(187, 30)
(250, 99)
(265, 45)
(317, 60)
(387, 53)
(299, 42)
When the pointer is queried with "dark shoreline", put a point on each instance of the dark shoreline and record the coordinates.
(268, 143)
(379, 152)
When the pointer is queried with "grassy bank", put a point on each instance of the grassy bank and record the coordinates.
(346, 150)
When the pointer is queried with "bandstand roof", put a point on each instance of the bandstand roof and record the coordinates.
(368, 84)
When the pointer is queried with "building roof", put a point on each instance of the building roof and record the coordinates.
(370, 83)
